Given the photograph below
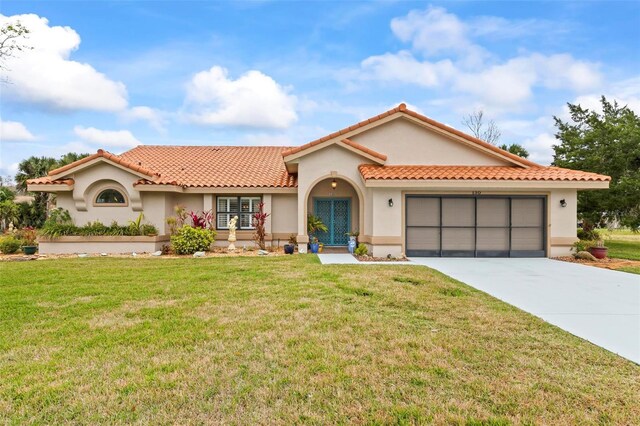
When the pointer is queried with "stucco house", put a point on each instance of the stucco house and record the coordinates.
(407, 183)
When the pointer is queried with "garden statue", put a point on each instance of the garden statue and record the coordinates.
(232, 233)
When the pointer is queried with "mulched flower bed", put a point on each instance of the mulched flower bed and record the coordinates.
(380, 259)
(215, 252)
(607, 263)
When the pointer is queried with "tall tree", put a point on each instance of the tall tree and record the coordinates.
(607, 143)
(515, 148)
(34, 167)
(12, 36)
(487, 131)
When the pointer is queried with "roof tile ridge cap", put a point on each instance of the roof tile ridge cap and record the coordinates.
(347, 129)
(364, 149)
(66, 167)
(464, 135)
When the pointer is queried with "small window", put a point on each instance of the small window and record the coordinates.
(110, 197)
(243, 207)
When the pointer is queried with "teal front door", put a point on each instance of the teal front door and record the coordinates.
(335, 213)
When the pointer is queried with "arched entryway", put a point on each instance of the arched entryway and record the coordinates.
(337, 203)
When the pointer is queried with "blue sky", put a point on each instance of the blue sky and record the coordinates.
(115, 74)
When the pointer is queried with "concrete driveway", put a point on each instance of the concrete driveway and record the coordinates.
(599, 305)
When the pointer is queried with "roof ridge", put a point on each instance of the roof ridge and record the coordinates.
(101, 153)
(403, 109)
(420, 171)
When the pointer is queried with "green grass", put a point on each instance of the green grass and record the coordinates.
(284, 340)
(631, 269)
(620, 249)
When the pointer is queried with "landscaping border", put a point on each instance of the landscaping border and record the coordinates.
(112, 244)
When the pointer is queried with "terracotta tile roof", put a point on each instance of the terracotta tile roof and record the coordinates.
(345, 141)
(540, 173)
(109, 156)
(213, 166)
(49, 181)
(403, 108)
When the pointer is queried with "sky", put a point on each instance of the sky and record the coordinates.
(116, 74)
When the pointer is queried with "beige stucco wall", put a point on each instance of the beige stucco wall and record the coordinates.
(562, 221)
(284, 208)
(405, 142)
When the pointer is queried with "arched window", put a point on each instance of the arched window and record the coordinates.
(111, 196)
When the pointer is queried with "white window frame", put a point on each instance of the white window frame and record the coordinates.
(231, 213)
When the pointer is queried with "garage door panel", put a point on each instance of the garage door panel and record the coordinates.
(493, 239)
(424, 239)
(493, 212)
(526, 239)
(423, 211)
(458, 239)
(458, 212)
(527, 212)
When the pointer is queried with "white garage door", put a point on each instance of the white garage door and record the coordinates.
(475, 226)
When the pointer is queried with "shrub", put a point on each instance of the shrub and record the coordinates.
(9, 245)
(259, 220)
(60, 224)
(361, 250)
(27, 236)
(588, 234)
(189, 240)
(582, 245)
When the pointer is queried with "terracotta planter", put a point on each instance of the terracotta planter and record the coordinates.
(598, 252)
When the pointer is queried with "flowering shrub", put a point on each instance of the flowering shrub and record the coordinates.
(203, 220)
(259, 219)
(27, 235)
(189, 240)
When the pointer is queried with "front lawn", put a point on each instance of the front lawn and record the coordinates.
(624, 249)
(285, 340)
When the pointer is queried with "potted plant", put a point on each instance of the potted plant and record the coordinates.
(599, 251)
(291, 245)
(353, 240)
(28, 236)
(314, 246)
(315, 224)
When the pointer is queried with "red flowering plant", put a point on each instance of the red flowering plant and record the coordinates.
(28, 236)
(202, 220)
(259, 219)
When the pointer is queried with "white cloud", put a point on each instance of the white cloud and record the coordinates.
(405, 68)
(465, 67)
(14, 131)
(540, 148)
(626, 92)
(8, 169)
(253, 100)
(107, 138)
(47, 77)
(154, 117)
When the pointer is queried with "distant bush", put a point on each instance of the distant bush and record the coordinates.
(361, 250)
(189, 240)
(9, 244)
